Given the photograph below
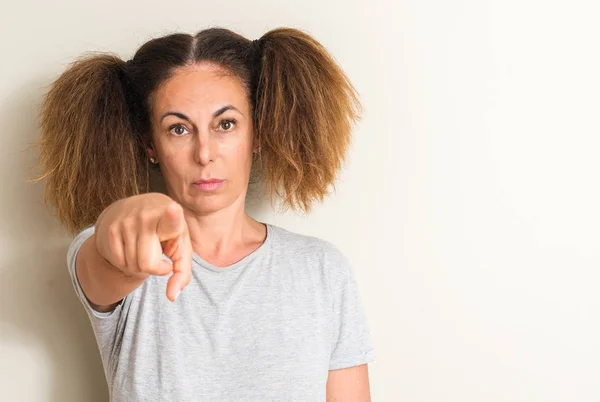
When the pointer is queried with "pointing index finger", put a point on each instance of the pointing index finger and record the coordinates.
(182, 267)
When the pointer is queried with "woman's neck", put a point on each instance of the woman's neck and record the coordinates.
(225, 236)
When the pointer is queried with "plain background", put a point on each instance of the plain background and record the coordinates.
(468, 207)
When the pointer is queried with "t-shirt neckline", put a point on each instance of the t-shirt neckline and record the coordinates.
(205, 264)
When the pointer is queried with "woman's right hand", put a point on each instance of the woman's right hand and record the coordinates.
(133, 233)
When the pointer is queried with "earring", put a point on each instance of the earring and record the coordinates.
(153, 160)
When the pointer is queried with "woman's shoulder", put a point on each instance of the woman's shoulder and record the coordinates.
(311, 250)
(302, 242)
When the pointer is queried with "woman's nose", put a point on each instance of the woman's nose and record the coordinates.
(204, 152)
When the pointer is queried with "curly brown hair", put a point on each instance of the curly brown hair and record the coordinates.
(95, 118)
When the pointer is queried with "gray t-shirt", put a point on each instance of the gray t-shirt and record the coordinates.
(267, 328)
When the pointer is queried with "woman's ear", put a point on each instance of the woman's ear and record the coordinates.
(151, 153)
(255, 146)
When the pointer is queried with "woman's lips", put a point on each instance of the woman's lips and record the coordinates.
(209, 185)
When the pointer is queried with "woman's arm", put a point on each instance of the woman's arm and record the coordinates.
(130, 238)
(349, 385)
(103, 285)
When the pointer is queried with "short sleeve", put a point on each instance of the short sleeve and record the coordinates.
(351, 343)
(106, 325)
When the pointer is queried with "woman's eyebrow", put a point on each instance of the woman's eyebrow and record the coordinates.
(181, 116)
(215, 114)
(176, 114)
(224, 109)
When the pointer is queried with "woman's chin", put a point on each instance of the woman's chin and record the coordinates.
(205, 205)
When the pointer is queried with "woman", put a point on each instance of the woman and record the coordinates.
(252, 311)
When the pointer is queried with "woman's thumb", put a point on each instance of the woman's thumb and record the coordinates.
(171, 223)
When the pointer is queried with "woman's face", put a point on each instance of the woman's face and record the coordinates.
(202, 138)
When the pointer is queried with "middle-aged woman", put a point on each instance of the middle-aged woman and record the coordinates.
(252, 312)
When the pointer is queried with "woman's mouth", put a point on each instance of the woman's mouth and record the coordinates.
(209, 185)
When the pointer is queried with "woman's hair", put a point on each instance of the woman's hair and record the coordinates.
(96, 118)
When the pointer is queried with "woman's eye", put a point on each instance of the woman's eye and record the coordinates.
(227, 125)
(178, 130)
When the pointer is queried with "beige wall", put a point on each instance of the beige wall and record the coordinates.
(469, 207)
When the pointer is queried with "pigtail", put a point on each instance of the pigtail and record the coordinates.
(89, 154)
(305, 109)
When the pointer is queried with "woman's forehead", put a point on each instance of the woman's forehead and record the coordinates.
(201, 85)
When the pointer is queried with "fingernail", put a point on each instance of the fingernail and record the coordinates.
(177, 295)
